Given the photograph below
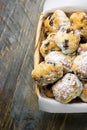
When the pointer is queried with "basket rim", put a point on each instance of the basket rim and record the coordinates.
(42, 100)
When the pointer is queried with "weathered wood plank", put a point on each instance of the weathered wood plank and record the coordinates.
(24, 107)
(24, 110)
(14, 41)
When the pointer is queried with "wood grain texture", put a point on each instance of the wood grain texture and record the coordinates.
(18, 101)
(17, 28)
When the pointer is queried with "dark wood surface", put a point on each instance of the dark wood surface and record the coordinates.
(18, 101)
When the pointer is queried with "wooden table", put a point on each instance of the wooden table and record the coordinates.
(18, 101)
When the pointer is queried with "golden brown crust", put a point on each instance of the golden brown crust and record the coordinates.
(67, 39)
(54, 21)
(45, 73)
(49, 45)
(79, 21)
(79, 66)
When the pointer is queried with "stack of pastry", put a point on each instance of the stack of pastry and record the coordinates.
(62, 74)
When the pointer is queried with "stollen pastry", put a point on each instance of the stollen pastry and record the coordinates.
(54, 21)
(67, 39)
(79, 21)
(49, 45)
(56, 57)
(79, 66)
(68, 88)
(47, 73)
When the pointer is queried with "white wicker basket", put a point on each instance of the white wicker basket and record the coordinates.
(47, 104)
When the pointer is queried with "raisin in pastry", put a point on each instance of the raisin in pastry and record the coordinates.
(56, 57)
(54, 21)
(67, 39)
(79, 66)
(49, 45)
(47, 73)
(68, 88)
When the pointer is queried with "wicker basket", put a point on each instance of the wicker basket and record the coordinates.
(48, 104)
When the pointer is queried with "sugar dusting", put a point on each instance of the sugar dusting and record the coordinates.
(56, 57)
(63, 18)
(73, 38)
(64, 88)
(81, 63)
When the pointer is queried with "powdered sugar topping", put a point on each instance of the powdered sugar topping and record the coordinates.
(67, 87)
(56, 57)
(81, 63)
